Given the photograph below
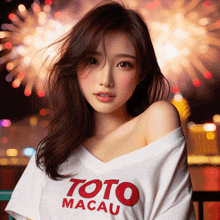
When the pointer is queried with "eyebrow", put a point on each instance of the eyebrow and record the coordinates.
(117, 55)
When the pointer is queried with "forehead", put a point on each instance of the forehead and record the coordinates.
(117, 43)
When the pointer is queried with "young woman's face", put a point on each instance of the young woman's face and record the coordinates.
(118, 75)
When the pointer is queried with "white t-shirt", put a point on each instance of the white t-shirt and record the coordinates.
(151, 183)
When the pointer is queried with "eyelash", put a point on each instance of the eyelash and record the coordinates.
(129, 64)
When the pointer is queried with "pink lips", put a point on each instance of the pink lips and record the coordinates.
(105, 93)
(104, 99)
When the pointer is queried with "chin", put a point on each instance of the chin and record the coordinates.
(103, 111)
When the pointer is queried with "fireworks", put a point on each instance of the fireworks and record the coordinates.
(26, 39)
(184, 34)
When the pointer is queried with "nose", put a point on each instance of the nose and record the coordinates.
(106, 77)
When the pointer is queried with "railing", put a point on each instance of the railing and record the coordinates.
(5, 195)
(199, 196)
(205, 196)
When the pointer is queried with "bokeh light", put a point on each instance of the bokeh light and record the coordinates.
(41, 93)
(28, 151)
(43, 112)
(16, 83)
(4, 161)
(2, 35)
(48, 2)
(196, 82)
(13, 161)
(36, 8)
(20, 76)
(207, 3)
(216, 119)
(9, 66)
(181, 105)
(27, 92)
(57, 14)
(5, 123)
(8, 78)
(12, 16)
(4, 140)
(150, 6)
(209, 127)
(33, 120)
(21, 8)
(175, 89)
(12, 152)
(191, 125)
(178, 97)
(210, 135)
(8, 45)
(208, 75)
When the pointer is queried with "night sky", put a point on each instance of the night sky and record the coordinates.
(14, 105)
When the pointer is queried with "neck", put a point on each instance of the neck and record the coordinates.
(105, 123)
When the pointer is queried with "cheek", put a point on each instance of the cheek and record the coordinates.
(128, 83)
(85, 82)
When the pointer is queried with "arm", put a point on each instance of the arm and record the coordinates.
(173, 195)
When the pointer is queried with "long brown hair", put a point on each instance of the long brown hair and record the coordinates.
(73, 120)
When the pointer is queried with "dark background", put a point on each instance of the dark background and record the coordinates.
(14, 105)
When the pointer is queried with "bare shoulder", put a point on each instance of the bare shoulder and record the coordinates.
(159, 119)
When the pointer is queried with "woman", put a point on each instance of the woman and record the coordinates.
(115, 149)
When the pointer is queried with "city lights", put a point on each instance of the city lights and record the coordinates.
(4, 161)
(181, 105)
(191, 125)
(216, 119)
(33, 120)
(210, 135)
(4, 140)
(12, 152)
(209, 127)
(28, 151)
(5, 123)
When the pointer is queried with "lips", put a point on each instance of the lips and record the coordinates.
(104, 99)
(109, 94)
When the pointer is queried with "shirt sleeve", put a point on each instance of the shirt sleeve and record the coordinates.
(173, 199)
(25, 199)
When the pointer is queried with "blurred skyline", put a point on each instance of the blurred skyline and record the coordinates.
(204, 100)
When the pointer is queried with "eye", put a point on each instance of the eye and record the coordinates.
(128, 64)
(92, 61)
